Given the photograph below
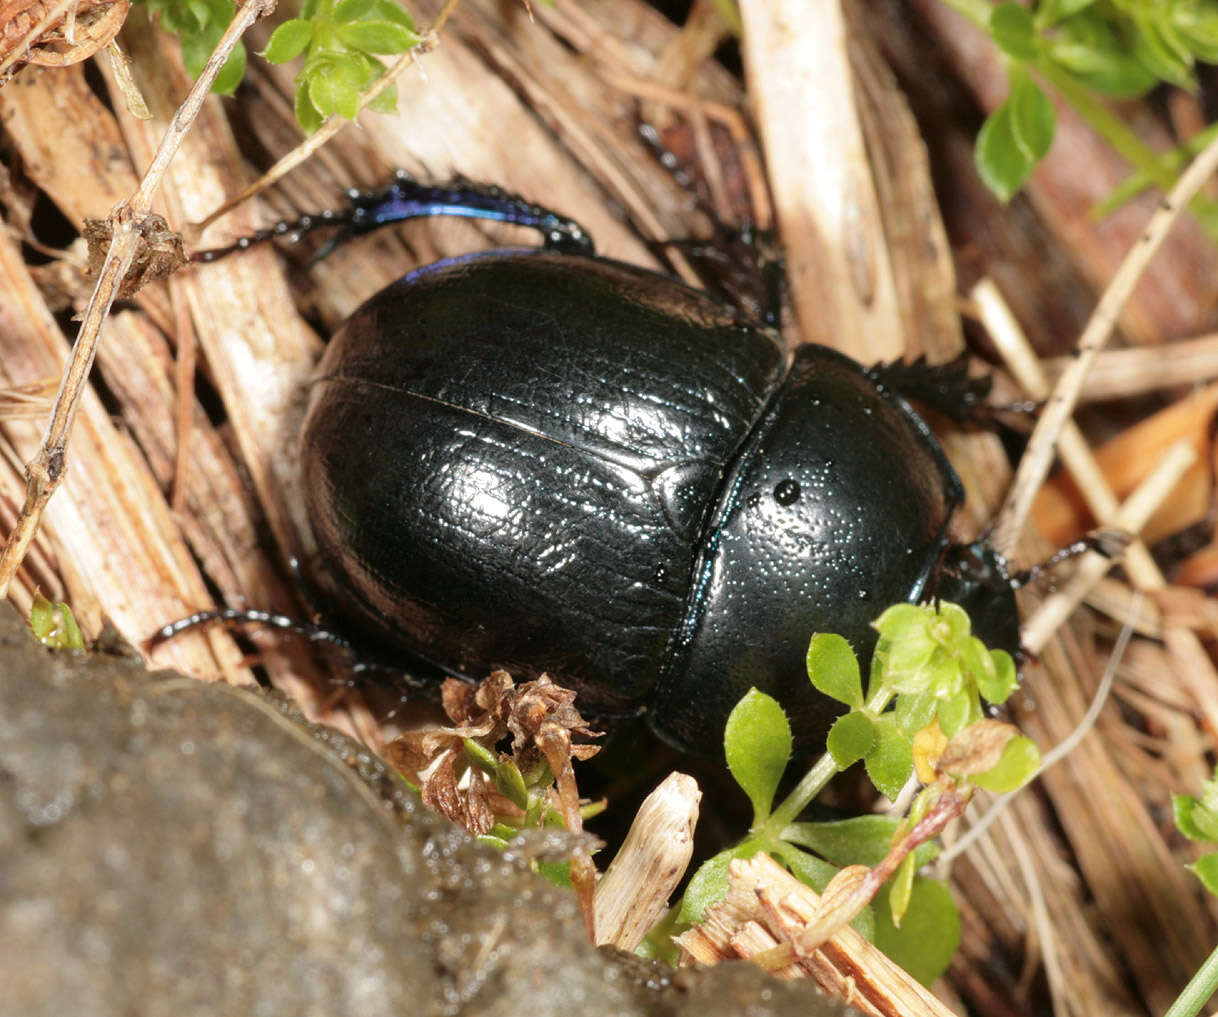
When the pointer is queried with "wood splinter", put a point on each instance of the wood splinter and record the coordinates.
(766, 907)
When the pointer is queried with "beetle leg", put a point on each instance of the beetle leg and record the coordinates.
(406, 198)
(948, 387)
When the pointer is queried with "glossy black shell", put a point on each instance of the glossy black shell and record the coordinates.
(550, 462)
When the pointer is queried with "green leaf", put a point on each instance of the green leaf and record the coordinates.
(900, 621)
(42, 621)
(1198, 24)
(918, 649)
(54, 626)
(860, 840)
(386, 102)
(976, 661)
(952, 616)
(1013, 31)
(231, 73)
(890, 761)
(387, 10)
(957, 711)
(1050, 12)
(1194, 819)
(511, 784)
(491, 840)
(197, 45)
(1088, 46)
(709, 884)
(482, 757)
(556, 873)
(1033, 119)
(850, 738)
(900, 889)
(288, 41)
(1001, 161)
(905, 662)
(757, 744)
(914, 712)
(834, 669)
(351, 10)
(1206, 869)
(997, 682)
(1156, 45)
(334, 85)
(929, 934)
(1018, 765)
(377, 36)
(307, 115)
(807, 868)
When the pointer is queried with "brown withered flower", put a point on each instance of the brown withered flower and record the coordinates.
(539, 715)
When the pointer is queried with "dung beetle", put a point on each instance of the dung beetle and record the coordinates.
(548, 461)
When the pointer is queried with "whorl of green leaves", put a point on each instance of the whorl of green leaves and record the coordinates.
(341, 42)
(1114, 48)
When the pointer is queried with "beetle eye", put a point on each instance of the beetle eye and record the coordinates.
(786, 492)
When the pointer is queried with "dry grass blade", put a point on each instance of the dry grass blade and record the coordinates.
(26, 402)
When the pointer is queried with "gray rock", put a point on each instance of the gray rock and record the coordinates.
(169, 847)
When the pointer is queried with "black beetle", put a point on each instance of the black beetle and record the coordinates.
(545, 460)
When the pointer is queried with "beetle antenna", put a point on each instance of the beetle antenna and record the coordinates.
(1109, 543)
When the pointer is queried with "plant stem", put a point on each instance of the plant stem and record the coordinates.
(1203, 985)
(807, 789)
(816, 778)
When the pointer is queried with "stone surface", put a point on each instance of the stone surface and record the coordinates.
(169, 847)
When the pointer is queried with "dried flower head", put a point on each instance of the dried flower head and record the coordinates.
(462, 774)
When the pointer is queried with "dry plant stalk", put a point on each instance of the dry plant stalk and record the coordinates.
(1042, 445)
(1063, 510)
(1193, 666)
(633, 893)
(1130, 517)
(766, 906)
(56, 34)
(801, 81)
(129, 220)
(1138, 370)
